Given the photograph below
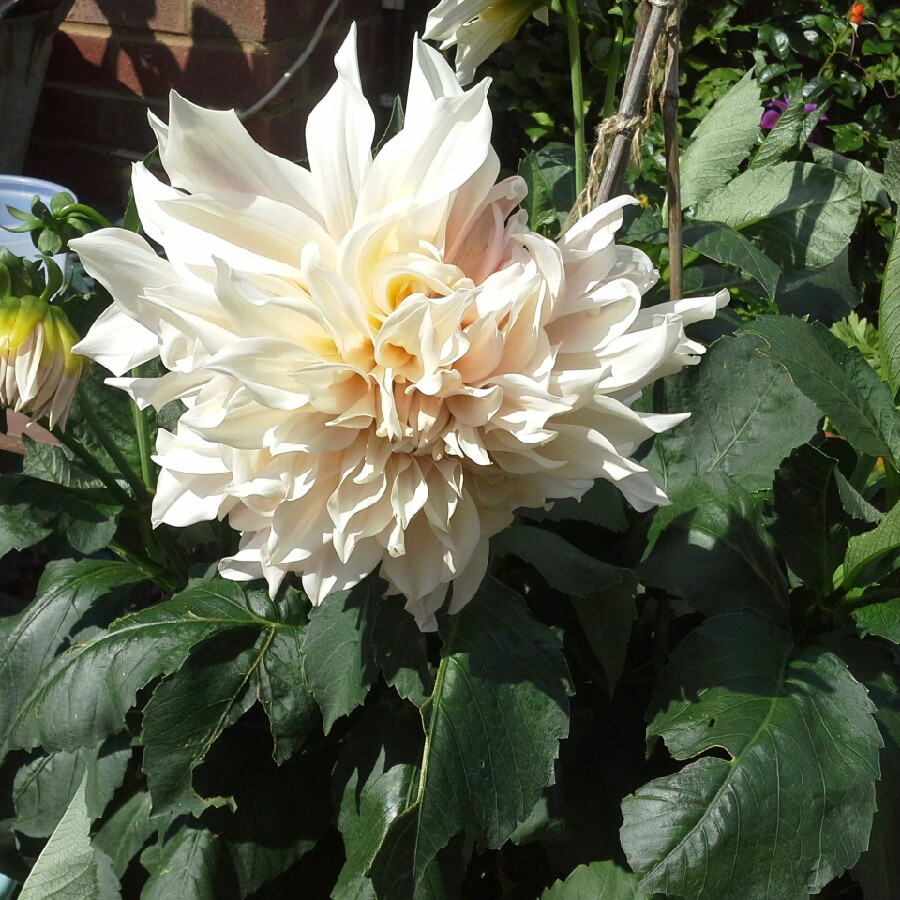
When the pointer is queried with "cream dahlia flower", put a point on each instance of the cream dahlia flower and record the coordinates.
(478, 27)
(379, 361)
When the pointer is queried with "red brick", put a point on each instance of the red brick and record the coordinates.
(118, 121)
(256, 20)
(146, 15)
(94, 173)
(220, 75)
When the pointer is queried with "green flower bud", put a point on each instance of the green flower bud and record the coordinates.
(38, 370)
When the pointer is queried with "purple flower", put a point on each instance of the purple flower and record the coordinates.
(773, 110)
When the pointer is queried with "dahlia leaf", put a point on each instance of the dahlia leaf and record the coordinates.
(281, 811)
(606, 620)
(284, 693)
(29, 640)
(880, 619)
(44, 787)
(837, 379)
(125, 831)
(730, 248)
(800, 214)
(602, 505)
(188, 712)
(68, 868)
(746, 416)
(597, 879)
(562, 565)
(493, 725)
(825, 294)
(192, 864)
(710, 548)
(550, 176)
(721, 142)
(889, 305)
(810, 520)
(791, 805)
(396, 645)
(868, 548)
(376, 774)
(23, 518)
(84, 694)
(337, 668)
(878, 869)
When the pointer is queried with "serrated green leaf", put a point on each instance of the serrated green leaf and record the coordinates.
(602, 505)
(284, 693)
(549, 174)
(878, 869)
(562, 565)
(350, 638)
(791, 807)
(23, 518)
(280, 812)
(44, 787)
(826, 294)
(606, 620)
(837, 379)
(810, 521)
(85, 694)
(889, 304)
(800, 214)
(789, 134)
(493, 726)
(880, 619)
(375, 776)
(866, 549)
(29, 641)
(68, 868)
(57, 465)
(710, 548)
(191, 864)
(722, 141)
(123, 833)
(746, 416)
(892, 171)
(870, 183)
(396, 646)
(602, 880)
(855, 504)
(334, 661)
(724, 245)
(189, 710)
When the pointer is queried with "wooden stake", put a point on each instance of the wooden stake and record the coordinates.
(669, 105)
(633, 96)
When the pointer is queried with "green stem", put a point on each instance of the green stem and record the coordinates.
(142, 431)
(571, 10)
(153, 570)
(87, 211)
(612, 74)
(91, 463)
(109, 445)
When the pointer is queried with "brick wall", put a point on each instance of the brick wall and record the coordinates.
(112, 59)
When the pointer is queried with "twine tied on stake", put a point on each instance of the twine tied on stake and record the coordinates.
(619, 137)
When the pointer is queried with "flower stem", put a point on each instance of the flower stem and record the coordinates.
(109, 445)
(571, 10)
(142, 431)
(612, 74)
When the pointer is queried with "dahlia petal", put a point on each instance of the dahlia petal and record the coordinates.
(209, 150)
(118, 342)
(338, 138)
